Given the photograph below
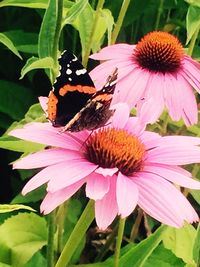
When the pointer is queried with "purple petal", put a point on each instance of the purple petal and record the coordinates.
(53, 200)
(173, 176)
(45, 158)
(45, 133)
(114, 51)
(191, 72)
(172, 92)
(120, 116)
(174, 155)
(97, 186)
(127, 195)
(161, 200)
(70, 173)
(106, 208)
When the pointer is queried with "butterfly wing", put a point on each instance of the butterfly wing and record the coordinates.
(71, 90)
(97, 111)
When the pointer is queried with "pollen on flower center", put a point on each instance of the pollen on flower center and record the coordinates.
(110, 147)
(159, 51)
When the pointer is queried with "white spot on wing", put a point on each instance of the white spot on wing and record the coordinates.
(75, 58)
(80, 72)
(68, 71)
(70, 79)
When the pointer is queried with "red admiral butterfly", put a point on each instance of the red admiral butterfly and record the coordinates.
(74, 102)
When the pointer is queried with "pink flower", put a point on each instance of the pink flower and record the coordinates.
(121, 164)
(155, 68)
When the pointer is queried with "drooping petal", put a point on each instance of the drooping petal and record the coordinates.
(189, 107)
(46, 158)
(191, 72)
(114, 51)
(106, 208)
(127, 195)
(174, 155)
(97, 186)
(44, 133)
(172, 93)
(53, 200)
(161, 200)
(173, 176)
(70, 173)
(154, 92)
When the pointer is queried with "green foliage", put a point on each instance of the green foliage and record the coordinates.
(21, 236)
(192, 21)
(9, 208)
(12, 99)
(33, 34)
(7, 42)
(181, 242)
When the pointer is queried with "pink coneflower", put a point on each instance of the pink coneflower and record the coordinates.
(155, 68)
(122, 165)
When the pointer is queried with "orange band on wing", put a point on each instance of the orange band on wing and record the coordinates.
(103, 97)
(51, 106)
(71, 88)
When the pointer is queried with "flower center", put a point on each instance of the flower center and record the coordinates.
(159, 51)
(110, 147)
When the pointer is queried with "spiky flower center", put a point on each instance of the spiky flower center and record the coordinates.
(159, 51)
(110, 148)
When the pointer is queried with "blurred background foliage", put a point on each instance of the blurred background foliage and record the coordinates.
(32, 34)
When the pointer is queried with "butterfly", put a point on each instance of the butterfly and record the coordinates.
(74, 103)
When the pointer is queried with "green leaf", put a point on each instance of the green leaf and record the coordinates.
(9, 44)
(9, 208)
(75, 11)
(24, 41)
(105, 23)
(31, 4)
(181, 242)
(37, 260)
(83, 24)
(138, 255)
(21, 236)
(196, 247)
(15, 144)
(36, 63)
(33, 196)
(48, 30)
(193, 2)
(192, 21)
(164, 258)
(14, 99)
(4, 265)
(25, 3)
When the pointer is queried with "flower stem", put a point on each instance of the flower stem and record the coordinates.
(50, 245)
(119, 241)
(92, 34)
(193, 41)
(76, 235)
(56, 38)
(160, 10)
(60, 226)
(120, 19)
